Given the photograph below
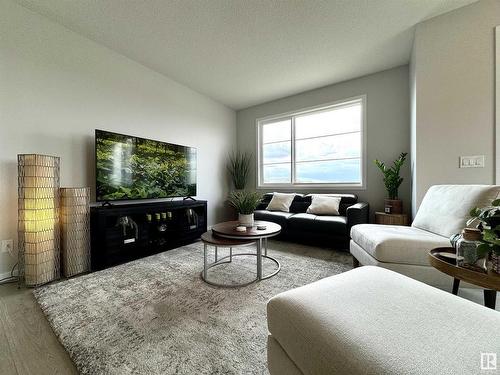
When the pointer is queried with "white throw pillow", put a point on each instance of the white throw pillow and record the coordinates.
(280, 202)
(324, 205)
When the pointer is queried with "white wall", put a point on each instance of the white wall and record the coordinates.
(413, 130)
(387, 116)
(56, 87)
(497, 103)
(453, 71)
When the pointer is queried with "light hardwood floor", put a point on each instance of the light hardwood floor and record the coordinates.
(27, 343)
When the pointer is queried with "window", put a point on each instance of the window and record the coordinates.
(320, 147)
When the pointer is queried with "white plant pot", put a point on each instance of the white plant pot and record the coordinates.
(246, 220)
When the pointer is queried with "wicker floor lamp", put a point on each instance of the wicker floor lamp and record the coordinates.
(38, 218)
(75, 221)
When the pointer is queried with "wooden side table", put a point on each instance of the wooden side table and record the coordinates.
(490, 280)
(391, 219)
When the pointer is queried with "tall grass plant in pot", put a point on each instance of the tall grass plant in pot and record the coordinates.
(238, 166)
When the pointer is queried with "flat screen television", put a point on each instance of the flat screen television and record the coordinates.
(130, 167)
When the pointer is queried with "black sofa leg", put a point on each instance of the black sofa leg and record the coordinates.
(355, 263)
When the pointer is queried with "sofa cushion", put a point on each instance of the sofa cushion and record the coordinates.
(397, 244)
(324, 206)
(329, 225)
(347, 200)
(336, 225)
(299, 203)
(374, 321)
(281, 202)
(302, 222)
(273, 216)
(445, 208)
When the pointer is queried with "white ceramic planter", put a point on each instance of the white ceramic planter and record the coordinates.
(246, 220)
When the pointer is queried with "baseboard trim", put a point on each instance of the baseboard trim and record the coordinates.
(4, 275)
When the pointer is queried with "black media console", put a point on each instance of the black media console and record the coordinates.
(124, 232)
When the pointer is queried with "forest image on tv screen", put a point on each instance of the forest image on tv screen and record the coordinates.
(135, 168)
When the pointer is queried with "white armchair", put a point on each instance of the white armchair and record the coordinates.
(443, 212)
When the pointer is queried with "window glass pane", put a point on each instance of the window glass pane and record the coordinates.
(332, 147)
(277, 131)
(277, 152)
(333, 121)
(277, 173)
(336, 171)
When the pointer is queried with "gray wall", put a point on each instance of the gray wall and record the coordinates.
(388, 124)
(413, 130)
(453, 106)
(56, 87)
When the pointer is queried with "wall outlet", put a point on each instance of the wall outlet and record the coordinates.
(476, 161)
(7, 246)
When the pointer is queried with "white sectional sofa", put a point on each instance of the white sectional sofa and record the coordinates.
(374, 321)
(443, 212)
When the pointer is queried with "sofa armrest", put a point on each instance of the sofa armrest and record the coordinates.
(357, 214)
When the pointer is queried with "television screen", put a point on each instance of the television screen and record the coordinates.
(135, 168)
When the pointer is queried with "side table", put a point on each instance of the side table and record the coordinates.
(391, 219)
(490, 281)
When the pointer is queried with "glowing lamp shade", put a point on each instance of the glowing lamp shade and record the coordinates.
(75, 227)
(38, 218)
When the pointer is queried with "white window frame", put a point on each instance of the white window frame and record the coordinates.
(260, 122)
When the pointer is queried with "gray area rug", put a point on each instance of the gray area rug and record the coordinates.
(156, 316)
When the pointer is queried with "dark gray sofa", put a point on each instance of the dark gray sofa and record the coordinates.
(297, 225)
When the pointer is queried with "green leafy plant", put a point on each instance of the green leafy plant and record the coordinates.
(392, 180)
(238, 166)
(487, 219)
(245, 202)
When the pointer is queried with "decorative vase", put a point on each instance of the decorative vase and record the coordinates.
(246, 220)
(495, 262)
(393, 206)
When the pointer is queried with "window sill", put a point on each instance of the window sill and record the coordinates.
(311, 187)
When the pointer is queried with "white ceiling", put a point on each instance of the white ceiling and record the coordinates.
(246, 52)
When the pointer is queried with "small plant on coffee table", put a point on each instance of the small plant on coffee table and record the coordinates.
(245, 202)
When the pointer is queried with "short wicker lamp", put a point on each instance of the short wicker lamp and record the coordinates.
(75, 222)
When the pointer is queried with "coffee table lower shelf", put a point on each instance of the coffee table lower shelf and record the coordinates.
(220, 242)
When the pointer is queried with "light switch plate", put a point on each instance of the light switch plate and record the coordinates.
(475, 161)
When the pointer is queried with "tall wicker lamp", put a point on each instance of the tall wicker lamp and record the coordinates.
(38, 218)
(75, 225)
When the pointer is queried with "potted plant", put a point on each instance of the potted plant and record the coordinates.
(488, 221)
(245, 202)
(392, 181)
(238, 167)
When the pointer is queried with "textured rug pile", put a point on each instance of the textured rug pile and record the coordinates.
(156, 316)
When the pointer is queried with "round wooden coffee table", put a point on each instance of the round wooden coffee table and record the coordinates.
(490, 281)
(226, 235)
